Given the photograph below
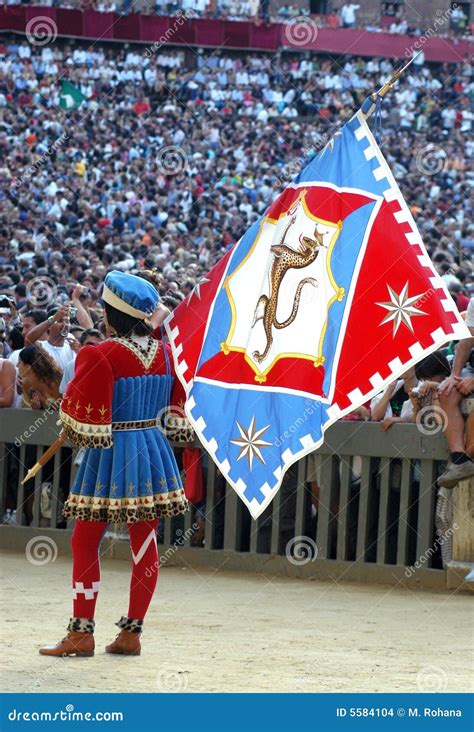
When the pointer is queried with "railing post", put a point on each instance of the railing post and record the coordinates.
(301, 476)
(209, 524)
(232, 520)
(325, 482)
(344, 500)
(463, 521)
(384, 473)
(402, 539)
(364, 507)
(3, 478)
(426, 503)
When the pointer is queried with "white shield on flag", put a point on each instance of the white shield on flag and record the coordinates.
(288, 273)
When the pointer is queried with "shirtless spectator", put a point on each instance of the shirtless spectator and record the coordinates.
(7, 383)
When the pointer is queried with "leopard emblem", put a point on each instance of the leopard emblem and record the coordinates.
(285, 258)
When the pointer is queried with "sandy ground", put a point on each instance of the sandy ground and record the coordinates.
(229, 632)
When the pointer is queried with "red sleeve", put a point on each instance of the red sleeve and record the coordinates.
(178, 395)
(177, 425)
(86, 409)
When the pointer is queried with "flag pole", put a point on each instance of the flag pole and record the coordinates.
(369, 105)
(52, 450)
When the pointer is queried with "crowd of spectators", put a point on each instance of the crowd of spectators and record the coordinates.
(337, 15)
(164, 165)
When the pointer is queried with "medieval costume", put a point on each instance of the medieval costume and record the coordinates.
(114, 407)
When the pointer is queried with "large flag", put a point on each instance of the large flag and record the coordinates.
(70, 97)
(324, 301)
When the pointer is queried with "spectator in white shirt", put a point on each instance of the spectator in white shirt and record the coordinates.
(348, 15)
(56, 329)
(382, 405)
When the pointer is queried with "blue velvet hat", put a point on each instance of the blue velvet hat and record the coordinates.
(130, 294)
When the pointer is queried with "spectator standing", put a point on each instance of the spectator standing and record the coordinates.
(56, 329)
(348, 15)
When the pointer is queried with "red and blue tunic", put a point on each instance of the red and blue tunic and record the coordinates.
(117, 407)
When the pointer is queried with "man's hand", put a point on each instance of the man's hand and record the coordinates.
(465, 386)
(74, 343)
(427, 388)
(387, 423)
(63, 312)
(448, 385)
(159, 316)
(390, 390)
(77, 292)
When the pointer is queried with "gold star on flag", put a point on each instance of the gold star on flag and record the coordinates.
(250, 442)
(401, 308)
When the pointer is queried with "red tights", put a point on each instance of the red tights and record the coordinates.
(85, 542)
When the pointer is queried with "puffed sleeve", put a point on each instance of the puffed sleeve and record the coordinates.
(86, 408)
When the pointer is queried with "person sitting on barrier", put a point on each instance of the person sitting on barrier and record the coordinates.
(394, 405)
(430, 373)
(39, 377)
(452, 392)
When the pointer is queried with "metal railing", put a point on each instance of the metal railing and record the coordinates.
(365, 497)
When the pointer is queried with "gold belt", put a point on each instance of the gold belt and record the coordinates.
(143, 424)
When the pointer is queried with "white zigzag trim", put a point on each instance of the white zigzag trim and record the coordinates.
(413, 237)
(370, 152)
(307, 441)
(437, 283)
(88, 592)
(390, 195)
(376, 380)
(416, 350)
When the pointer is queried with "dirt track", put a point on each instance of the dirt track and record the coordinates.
(232, 632)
